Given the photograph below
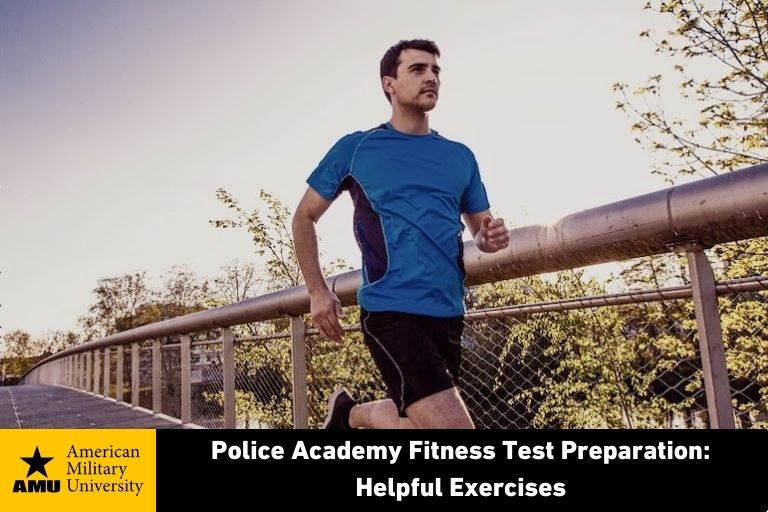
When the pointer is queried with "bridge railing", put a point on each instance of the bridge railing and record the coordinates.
(639, 358)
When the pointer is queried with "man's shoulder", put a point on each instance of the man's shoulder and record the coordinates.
(460, 145)
(462, 148)
(349, 142)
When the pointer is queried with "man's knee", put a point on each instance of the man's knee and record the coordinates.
(444, 409)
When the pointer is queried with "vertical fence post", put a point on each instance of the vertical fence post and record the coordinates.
(157, 387)
(135, 374)
(96, 371)
(299, 371)
(88, 370)
(107, 371)
(186, 381)
(83, 370)
(716, 383)
(119, 385)
(228, 356)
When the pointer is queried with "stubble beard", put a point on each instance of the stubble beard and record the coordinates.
(421, 105)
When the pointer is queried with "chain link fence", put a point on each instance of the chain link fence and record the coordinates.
(170, 380)
(565, 363)
(207, 384)
(145, 375)
(634, 366)
(542, 352)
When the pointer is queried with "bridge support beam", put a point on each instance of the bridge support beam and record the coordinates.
(228, 356)
(135, 374)
(716, 382)
(119, 385)
(299, 370)
(186, 381)
(89, 371)
(157, 386)
(96, 371)
(107, 371)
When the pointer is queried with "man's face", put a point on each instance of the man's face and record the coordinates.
(418, 81)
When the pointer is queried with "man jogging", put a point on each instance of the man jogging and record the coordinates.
(410, 187)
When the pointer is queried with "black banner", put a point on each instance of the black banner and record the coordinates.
(525, 470)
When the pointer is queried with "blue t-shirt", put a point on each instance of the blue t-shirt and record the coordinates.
(409, 192)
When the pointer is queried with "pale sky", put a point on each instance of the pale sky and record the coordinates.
(119, 120)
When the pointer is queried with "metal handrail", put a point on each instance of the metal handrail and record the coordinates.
(724, 208)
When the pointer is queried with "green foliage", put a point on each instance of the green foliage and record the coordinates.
(18, 352)
(117, 299)
(720, 51)
(627, 367)
(127, 301)
(272, 239)
(720, 54)
(264, 367)
(333, 364)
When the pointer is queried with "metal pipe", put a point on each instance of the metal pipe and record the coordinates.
(747, 284)
(724, 208)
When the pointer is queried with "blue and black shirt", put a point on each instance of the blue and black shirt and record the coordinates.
(409, 192)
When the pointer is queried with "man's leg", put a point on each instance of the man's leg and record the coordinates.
(444, 409)
(378, 414)
(418, 358)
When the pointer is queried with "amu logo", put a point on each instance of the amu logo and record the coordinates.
(37, 465)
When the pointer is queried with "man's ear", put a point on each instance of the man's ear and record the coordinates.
(386, 84)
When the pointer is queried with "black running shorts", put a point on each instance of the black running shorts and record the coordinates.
(417, 355)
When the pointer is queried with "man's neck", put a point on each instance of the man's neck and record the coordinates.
(414, 123)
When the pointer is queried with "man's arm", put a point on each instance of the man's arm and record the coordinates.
(489, 234)
(325, 307)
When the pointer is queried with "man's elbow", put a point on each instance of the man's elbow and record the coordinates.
(301, 220)
(296, 224)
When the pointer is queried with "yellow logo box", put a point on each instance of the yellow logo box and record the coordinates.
(68, 469)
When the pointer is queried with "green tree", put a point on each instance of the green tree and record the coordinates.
(182, 292)
(238, 281)
(272, 239)
(720, 53)
(264, 366)
(119, 300)
(56, 341)
(580, 368)
(19, 351)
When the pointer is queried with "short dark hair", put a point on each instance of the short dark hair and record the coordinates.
(391, 59)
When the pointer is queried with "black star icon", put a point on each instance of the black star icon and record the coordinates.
(37, 463)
